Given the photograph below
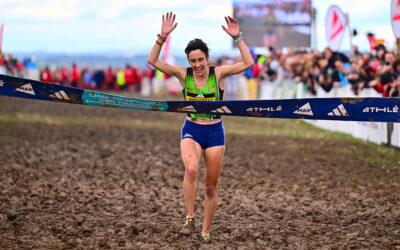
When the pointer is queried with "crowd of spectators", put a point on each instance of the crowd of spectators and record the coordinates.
(315, 69)
(111, 78)
(328, 69)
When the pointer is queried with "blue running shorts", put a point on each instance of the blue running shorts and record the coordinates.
(206, 135)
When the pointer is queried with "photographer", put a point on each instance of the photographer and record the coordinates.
(395, 85)
(355, 77)
(384, 75)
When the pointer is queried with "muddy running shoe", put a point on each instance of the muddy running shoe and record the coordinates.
(189, 226)
(205, 238)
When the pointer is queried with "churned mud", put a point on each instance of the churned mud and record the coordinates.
(87, 177)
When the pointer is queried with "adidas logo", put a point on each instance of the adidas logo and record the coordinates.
(200, 96)
(187, 136)
(188, 108)
(60, 95)
(222, 110)
(1, 83)
(304, 110)
(339, 111)
(27, 88)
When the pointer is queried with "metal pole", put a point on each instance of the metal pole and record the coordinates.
(314, 36)
(350, 33)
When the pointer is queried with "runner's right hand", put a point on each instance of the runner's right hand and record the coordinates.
(168, 24)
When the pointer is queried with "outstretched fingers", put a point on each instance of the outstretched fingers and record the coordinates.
(227, 20)
(169, 17)
(168, 24)
(232, 20)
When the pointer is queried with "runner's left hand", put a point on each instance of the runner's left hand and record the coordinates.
(233, 26)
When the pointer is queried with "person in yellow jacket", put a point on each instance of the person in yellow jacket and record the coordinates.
(121, 79)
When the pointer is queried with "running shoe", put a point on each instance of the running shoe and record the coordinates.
(205, 238)
(189, 226)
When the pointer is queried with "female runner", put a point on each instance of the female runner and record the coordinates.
(201, 133)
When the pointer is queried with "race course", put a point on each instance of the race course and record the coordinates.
(74, 176)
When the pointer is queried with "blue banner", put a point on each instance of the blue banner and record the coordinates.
(342, 109)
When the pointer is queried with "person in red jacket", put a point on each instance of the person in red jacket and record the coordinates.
(63, 77)
(75, 76)
(137, 78)
(110, 82)
(46, 76)
(129, 77)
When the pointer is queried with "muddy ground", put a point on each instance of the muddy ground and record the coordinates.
(86, 177)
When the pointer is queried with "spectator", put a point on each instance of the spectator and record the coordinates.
(46, 75)
(88, 82)
(63, 75)
(129, 77)
(99, 78)
(332, 56)
(355, 78)
(121, 79)
(395, 88)
(75, 76)
(339, 76)
(110, 79)
(137, 78)
(384, 75)
(150, 73)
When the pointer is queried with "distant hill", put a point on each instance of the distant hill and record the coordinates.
(91, 60)
(117, 59)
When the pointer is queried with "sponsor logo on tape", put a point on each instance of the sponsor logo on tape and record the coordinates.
(60, 95)
(27, 88)
(304, 110)
(339, 111)
(189, 98)
(1, 83)
(268, 109)
(394, 109)
(222, 110)
(188, 108)
(100, 99)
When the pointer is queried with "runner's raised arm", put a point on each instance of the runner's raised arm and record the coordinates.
(247, 59)
(167, 26)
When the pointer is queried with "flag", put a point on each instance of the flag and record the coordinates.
(166, 49)
(1, 36)
(372, 41)
(166, 56)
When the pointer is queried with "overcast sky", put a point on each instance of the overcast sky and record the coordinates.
(97, 26)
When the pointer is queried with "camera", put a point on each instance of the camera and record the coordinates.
(271, 72)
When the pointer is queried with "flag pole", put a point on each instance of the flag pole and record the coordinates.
(1, 36)
(350, 33)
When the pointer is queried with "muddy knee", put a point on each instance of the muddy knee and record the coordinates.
(191, 172)
(211, 191)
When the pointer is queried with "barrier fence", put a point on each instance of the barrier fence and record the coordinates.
(381, 133)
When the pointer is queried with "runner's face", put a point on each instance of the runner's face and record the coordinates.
(198, 61)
